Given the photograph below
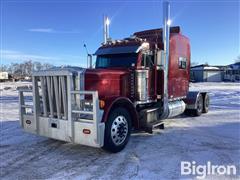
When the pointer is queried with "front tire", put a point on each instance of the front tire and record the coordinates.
(117, 130)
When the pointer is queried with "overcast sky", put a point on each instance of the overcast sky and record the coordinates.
(54, 31)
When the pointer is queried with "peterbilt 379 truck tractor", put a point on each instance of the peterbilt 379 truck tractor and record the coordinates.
(136, 83)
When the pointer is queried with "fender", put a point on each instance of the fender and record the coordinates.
(124, 102)
(191, 99)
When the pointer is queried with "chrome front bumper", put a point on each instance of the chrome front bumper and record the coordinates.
(73, 128)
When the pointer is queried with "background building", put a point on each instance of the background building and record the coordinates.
(232, 72)
(4, 76)
(206, 73)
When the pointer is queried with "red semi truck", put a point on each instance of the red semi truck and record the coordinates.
(136, 83)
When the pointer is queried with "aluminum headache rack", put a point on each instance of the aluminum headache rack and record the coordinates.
(61, 109)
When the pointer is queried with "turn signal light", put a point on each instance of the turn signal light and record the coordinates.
(86, 131)
(101, 104)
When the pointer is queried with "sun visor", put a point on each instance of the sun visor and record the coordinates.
(117, 50)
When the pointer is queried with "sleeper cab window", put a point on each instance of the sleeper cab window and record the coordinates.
(182, 63)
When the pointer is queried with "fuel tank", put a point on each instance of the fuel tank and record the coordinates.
(108, 82)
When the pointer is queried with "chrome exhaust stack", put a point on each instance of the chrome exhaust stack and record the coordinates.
(106, 23)
(173, 108)
(166, 38)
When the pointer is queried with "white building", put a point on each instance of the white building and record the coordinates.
(206, 73)
(3, 76)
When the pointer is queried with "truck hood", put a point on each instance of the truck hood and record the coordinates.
(108, 82)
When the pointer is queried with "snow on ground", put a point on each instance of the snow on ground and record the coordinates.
(211, 137)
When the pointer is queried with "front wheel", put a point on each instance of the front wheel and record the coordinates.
(117, 130)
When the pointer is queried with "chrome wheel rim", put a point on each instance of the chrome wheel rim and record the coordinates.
(119, 130)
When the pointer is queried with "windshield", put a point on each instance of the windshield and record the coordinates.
(116, 60)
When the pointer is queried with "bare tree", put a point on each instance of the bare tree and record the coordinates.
(15, 69)
(28, 67)
(47, 66)
(37, 66)
(3, 68)
(21, 70)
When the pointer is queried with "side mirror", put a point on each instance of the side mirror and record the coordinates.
(89, 57)
(89, 61)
